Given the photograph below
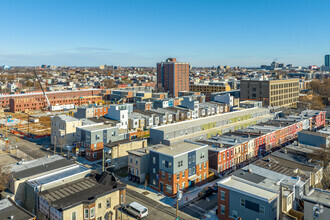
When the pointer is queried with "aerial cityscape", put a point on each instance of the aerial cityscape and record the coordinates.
(165, 110)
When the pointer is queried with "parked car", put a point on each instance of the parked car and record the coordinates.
(137, 210)
(206, 192)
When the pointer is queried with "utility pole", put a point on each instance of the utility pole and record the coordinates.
(6, 134)
(178, 197)
(103, 159)
(54, 145)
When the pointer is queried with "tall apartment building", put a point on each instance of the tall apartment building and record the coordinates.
(327, 60)
(272, 92)
(173, 76)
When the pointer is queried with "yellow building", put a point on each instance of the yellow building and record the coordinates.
(88, 198)
(209, 88)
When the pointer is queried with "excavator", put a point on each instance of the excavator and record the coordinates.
(47, 100)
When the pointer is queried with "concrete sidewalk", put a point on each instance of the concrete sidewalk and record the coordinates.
(160, 197)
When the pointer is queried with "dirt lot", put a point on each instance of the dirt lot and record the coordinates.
(40, 128)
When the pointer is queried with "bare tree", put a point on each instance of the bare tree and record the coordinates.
(4, 178)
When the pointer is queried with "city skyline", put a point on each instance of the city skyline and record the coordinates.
(132, 33)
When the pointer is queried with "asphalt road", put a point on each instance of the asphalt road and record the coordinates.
(33, 149)
(200, 207)
(156, 210)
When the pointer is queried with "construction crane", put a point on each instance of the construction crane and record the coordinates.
(48, 103)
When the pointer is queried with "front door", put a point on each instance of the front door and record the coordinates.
(161, 186)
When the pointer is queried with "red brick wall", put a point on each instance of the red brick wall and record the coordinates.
(225, 203)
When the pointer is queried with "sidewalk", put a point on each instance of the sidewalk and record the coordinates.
(160, 197)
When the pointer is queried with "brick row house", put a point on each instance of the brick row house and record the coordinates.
(39, 96)
(235, 149)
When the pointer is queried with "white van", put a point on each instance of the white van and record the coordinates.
(136, 209)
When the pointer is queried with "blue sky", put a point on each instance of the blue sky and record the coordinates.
(143, 32)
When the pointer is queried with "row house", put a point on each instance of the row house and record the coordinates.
(144, 105)
(32, 104)
(90, 112)
(38, 95)
(179, 166)
(148, 120)
(234, 149)
(229, 151)
(92, 139)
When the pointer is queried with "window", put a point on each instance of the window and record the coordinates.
(204, 165)
(223, 208)
(137, 172)
(183, 185)
(136, 161)
(189, 172)
(163, 174)
(74, 215)
(219, 157)
(223, 195)
(194, 170)
(204, 176)
(178, 176)
(92, 212)
(169, 188)
(99, 206)
(224, 155)
(189, 160)
(130, 159)
(169, 164)
(122, 200)
(202, 155)
(154, 160)
(242, 202)
(154, 170)
(163, 163)
(183, 173)
(180, 163)
(200, 166)
(194, 158)
(262, 209)
(108, 203)
(95, 154)
(169, 177)
(86, 213)
(235, 214)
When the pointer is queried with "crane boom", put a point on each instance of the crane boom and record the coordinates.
(48, 103)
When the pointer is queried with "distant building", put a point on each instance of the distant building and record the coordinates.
(271, 92)
(327, 61)
(173, 76)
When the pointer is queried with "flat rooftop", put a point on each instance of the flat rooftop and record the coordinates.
(319, 134)
(205, 120)
(61, 174)
(9, 208)
(39, 166)
(319, 196)
(246, 188)
(177, 148)
(97, 127)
